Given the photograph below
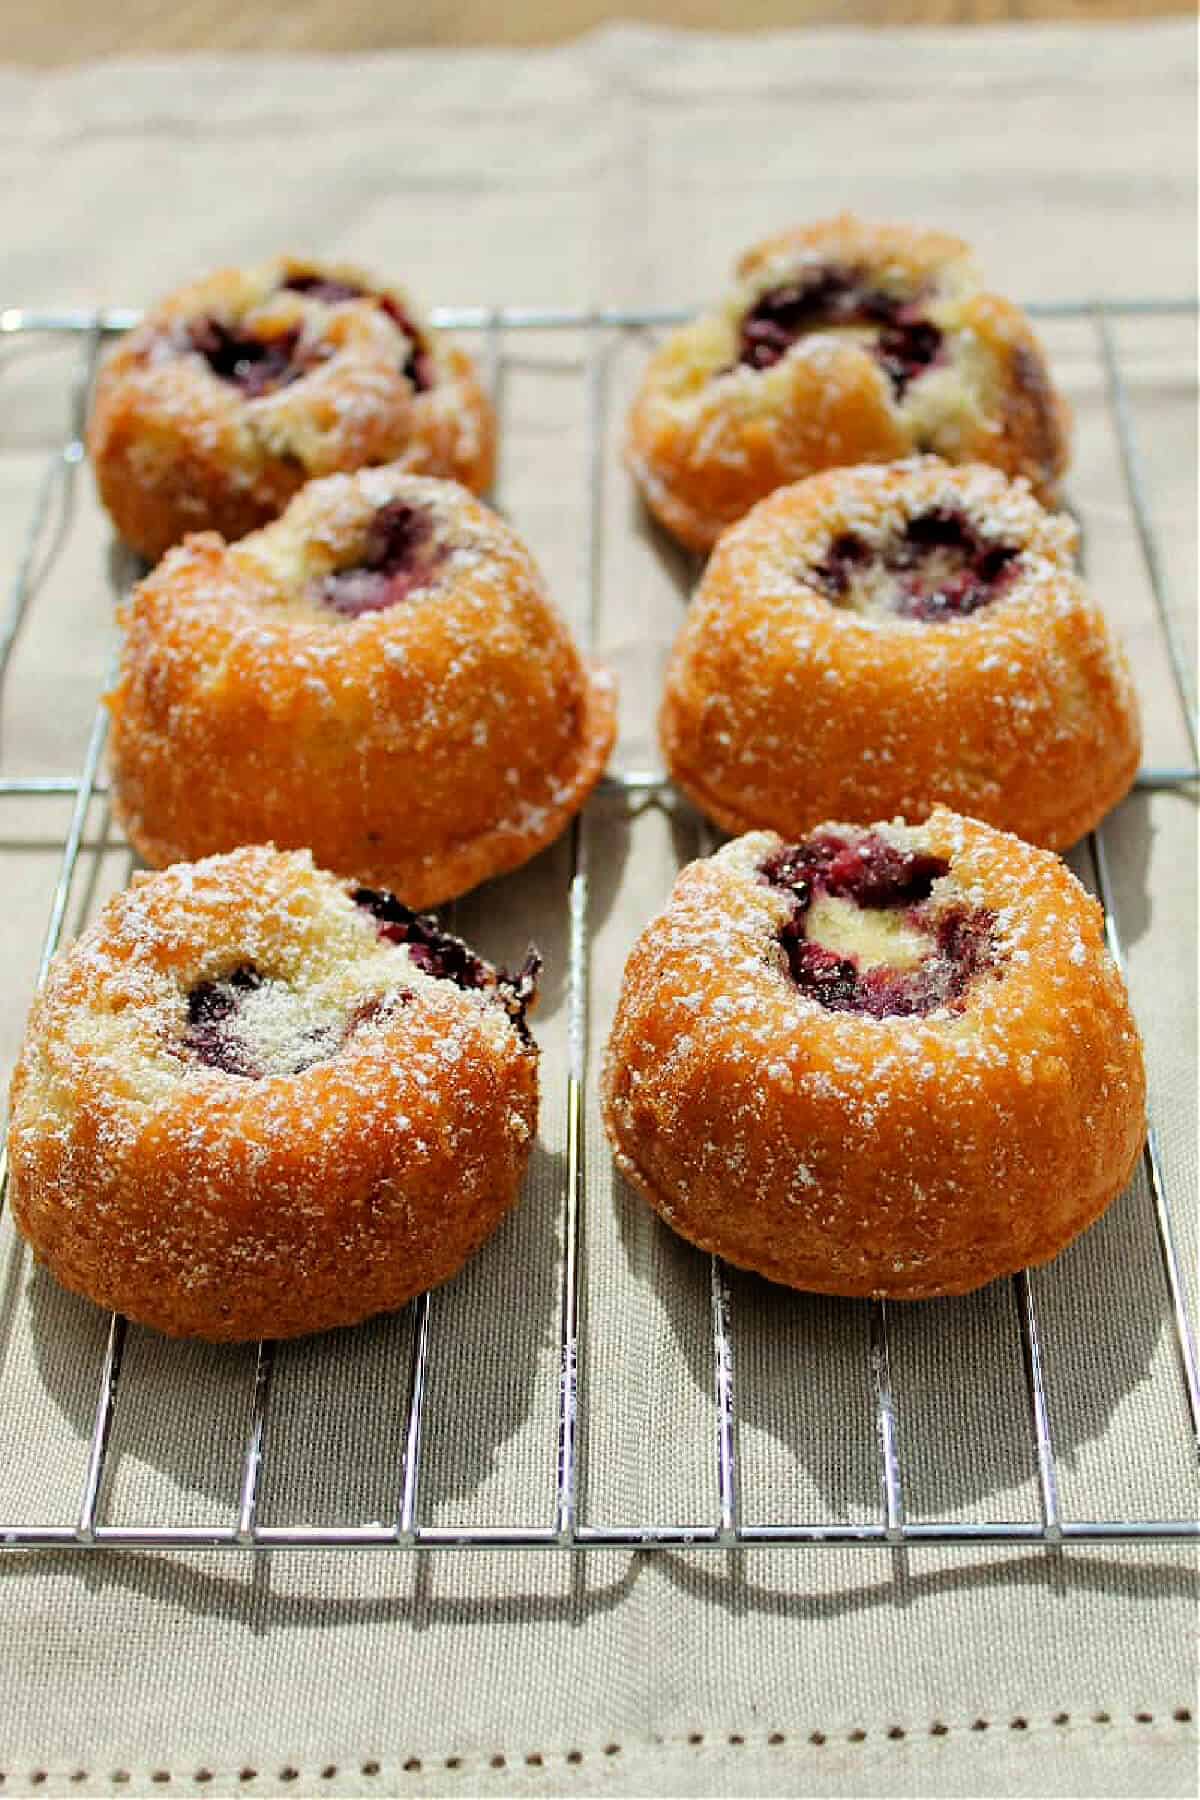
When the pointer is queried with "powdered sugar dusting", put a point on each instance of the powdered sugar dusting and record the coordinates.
(944, 367)
(861, 1144)
(184, 437)
(782, 708)
(140, 1169)
(420, 747)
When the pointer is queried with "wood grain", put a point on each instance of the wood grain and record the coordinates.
(75, 30)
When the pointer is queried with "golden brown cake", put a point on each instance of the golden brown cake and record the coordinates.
(255, 1101)
(896, 1061)
(378, 676)
(841, 342)
(235, 391)
(872, 641)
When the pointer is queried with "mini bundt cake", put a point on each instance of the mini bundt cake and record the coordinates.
(235, 391)
(842, 342)
(874, 640)
(896, 1061)
(378, 676)
(256, 1101)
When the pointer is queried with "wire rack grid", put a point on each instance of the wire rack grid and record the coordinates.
(560, 1524)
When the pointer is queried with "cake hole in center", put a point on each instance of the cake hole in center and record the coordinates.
(247, 1025)
(254, 364)
(905, 343)
(401, 556)
(865, 935)
(938, 567)
(418, 364)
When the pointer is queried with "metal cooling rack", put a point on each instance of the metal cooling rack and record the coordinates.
(560, 1524)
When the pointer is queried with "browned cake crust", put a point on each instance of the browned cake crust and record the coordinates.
(841, 342)
(822, 672)
(848, 1153)
(243, 1109)
(422, 737)
(235, 391)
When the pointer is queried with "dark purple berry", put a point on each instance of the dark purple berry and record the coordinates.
(834, 573)
(256, 365)
(212, 1008)
(418, 365)
(401, 555)
(436, 951)
(869, 872)
(866, 869)
(942, 567)
(906, 349)
(906, 345)
(441, 954)
(320, 287)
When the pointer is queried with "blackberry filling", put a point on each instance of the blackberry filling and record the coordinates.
(906, 348)
(906, 343)
(863, 937)
(938, 567)
(401, 556)
(256, 365)
(418, 367)
(867, 870)
(445, 956)
(244, 1025)
(320, 287)
(436, 951)
(517, 993)
(212, 1010)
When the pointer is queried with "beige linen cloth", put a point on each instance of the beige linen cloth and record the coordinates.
(624, 170)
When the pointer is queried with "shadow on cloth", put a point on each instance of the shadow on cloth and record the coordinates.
(261, 1595)
(338, 1410)
(1129, 837)
(339, 1401)
(804, 1395)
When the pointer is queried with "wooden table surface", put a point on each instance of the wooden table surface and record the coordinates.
(67, 31)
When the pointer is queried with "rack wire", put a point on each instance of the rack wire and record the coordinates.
(560, 1524)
